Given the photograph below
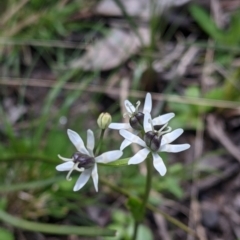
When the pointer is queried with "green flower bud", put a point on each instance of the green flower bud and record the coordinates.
(104, 120)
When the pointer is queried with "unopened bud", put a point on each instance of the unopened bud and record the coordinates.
(104, 120)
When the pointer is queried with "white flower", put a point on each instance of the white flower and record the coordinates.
(84, 160)
(137, 117)
(152, 139)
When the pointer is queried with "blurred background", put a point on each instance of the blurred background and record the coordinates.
(64, 62)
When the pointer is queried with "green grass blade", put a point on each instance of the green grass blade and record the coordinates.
(54, 229)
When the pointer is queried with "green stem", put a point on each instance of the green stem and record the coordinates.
(99, 143)
(136, 224)
(150, 207)
(148, 184)
(146, 195)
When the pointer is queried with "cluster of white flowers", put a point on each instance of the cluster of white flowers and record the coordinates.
(153, 135)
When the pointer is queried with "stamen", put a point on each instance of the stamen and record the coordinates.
(129, 107)
(70, 172)
(79, 169)
(65, 159)
(138, 103)
(169, 129)
(160, 130)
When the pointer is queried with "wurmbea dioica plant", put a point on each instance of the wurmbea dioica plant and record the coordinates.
(153, 135)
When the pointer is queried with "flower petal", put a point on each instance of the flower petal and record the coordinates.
(159, 164)
(129, 107)
(77, 141)
(125, 144)
(119, 126)
(82, 180)
(139, 157)
(161, 120)
(147, 122)
(90, 141)
(170, 137)
(174, 148)
(109, 156)
(147, 104)
(95, 177)
(131, 137)
(65, 166)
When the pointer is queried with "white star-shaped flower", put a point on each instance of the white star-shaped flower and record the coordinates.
(84, 160)
(136, 118)
(155, 141)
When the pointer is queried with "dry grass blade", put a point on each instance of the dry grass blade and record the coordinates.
(115, 92)
(215, 128)
(12, 11)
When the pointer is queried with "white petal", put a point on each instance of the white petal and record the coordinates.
(90, 141)
(159, 164)
(139, 157)
(82, 180)
(95, 177)
(161, 120)
(119, 126)
(174, 148)
(77, 141)
(131, 137)
(64, 159)
(147, 122)
(65, 166)
(148, 104)
(125, 144)
(170, 137)
(109, 156)
(129, 107)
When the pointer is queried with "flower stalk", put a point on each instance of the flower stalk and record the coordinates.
(148, 186)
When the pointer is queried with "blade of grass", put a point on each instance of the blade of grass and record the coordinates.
(54, 229)
(12, 11)
(29, 185)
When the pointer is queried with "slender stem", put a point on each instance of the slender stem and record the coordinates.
(99, 143)
(136, 224)
(146, 195)
(148, 184)
(149, 206)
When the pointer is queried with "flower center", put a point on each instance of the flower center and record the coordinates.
(153, 138)
(81, 162)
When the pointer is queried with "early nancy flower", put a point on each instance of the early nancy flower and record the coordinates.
(136, 118)
(154, 141)
(84, 160)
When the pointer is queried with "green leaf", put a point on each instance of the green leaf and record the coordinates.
(144, 233)
(6, 235)
(117, 163)
(136, 208)
(29, 185)
(206, 22)
(54, 229)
